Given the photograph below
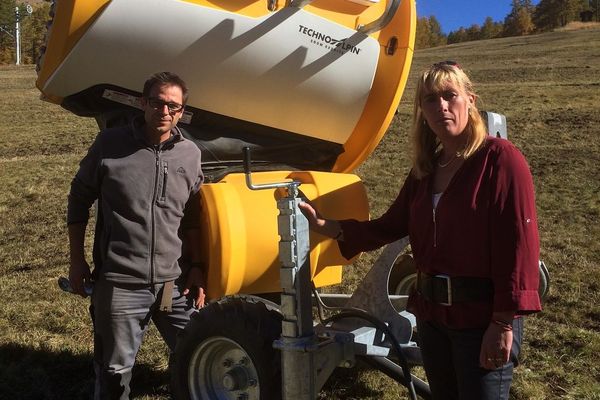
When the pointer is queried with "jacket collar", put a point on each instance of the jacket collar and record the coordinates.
(137, 127)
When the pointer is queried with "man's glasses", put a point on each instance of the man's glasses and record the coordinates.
(447, 62)
(158, 104)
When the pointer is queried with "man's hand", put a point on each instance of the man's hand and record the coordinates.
(195, 278)
(79, 270)
(79, 276)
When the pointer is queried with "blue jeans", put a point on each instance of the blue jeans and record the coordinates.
(121, 315)
(451, 361)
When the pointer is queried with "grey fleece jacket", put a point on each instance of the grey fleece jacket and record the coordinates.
(142, 190)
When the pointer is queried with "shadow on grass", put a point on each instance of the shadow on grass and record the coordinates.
(347, 384)
(27, 374)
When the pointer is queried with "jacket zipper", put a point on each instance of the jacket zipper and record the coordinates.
(153, 228)
(165, 176)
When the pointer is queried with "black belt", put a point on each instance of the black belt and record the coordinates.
(446, 290)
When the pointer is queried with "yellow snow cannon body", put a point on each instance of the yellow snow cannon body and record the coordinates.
(310, 86)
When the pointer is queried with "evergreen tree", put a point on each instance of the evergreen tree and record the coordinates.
(429, 33)
(550, 14)
(491, 29)
(458, 36)
(487, 28)
(7, 31)
(545, 16)
(569, 10)
(519, 21)
(34, 33)
(474, 32)
(436, 36)
(528, 5)
(422, 33)
(7, 13)
(594, 6)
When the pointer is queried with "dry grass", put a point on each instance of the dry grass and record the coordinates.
(576, 25)
(547, 85)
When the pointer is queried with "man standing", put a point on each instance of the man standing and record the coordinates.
(144, 176)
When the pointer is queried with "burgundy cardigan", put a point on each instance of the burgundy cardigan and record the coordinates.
(485, 225)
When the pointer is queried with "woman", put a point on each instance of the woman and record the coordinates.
(468, 207)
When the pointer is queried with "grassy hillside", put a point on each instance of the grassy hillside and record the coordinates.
(548, 86)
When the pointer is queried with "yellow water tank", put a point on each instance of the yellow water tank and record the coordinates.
(240, 240)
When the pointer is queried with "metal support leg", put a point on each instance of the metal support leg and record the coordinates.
(294, 248)
(298, 341)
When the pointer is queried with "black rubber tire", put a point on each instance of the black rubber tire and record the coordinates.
(403, 275)
(544, 281)
(246, 323)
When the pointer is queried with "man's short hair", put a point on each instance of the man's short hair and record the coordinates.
(165, 78)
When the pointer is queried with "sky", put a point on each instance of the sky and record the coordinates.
(452, 14)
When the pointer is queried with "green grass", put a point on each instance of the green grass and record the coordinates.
(547, 85)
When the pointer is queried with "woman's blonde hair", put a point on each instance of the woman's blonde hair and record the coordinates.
(426, 145)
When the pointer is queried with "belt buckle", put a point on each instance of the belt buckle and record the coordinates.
(448, 287)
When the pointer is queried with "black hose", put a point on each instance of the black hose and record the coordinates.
(395, 372)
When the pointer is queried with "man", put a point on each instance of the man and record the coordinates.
(144, 177)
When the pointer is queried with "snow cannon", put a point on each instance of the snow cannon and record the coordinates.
(310, 87)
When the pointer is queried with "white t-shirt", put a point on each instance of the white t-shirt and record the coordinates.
(436, 199)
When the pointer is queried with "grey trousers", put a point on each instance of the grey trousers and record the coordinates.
(121, 315)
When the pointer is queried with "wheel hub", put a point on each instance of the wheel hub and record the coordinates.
(236, 379)
(221, 369)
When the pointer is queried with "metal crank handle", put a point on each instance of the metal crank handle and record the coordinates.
(65, 286)
(248, 172)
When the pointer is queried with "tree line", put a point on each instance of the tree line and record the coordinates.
(32, 28)
(523, 19)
